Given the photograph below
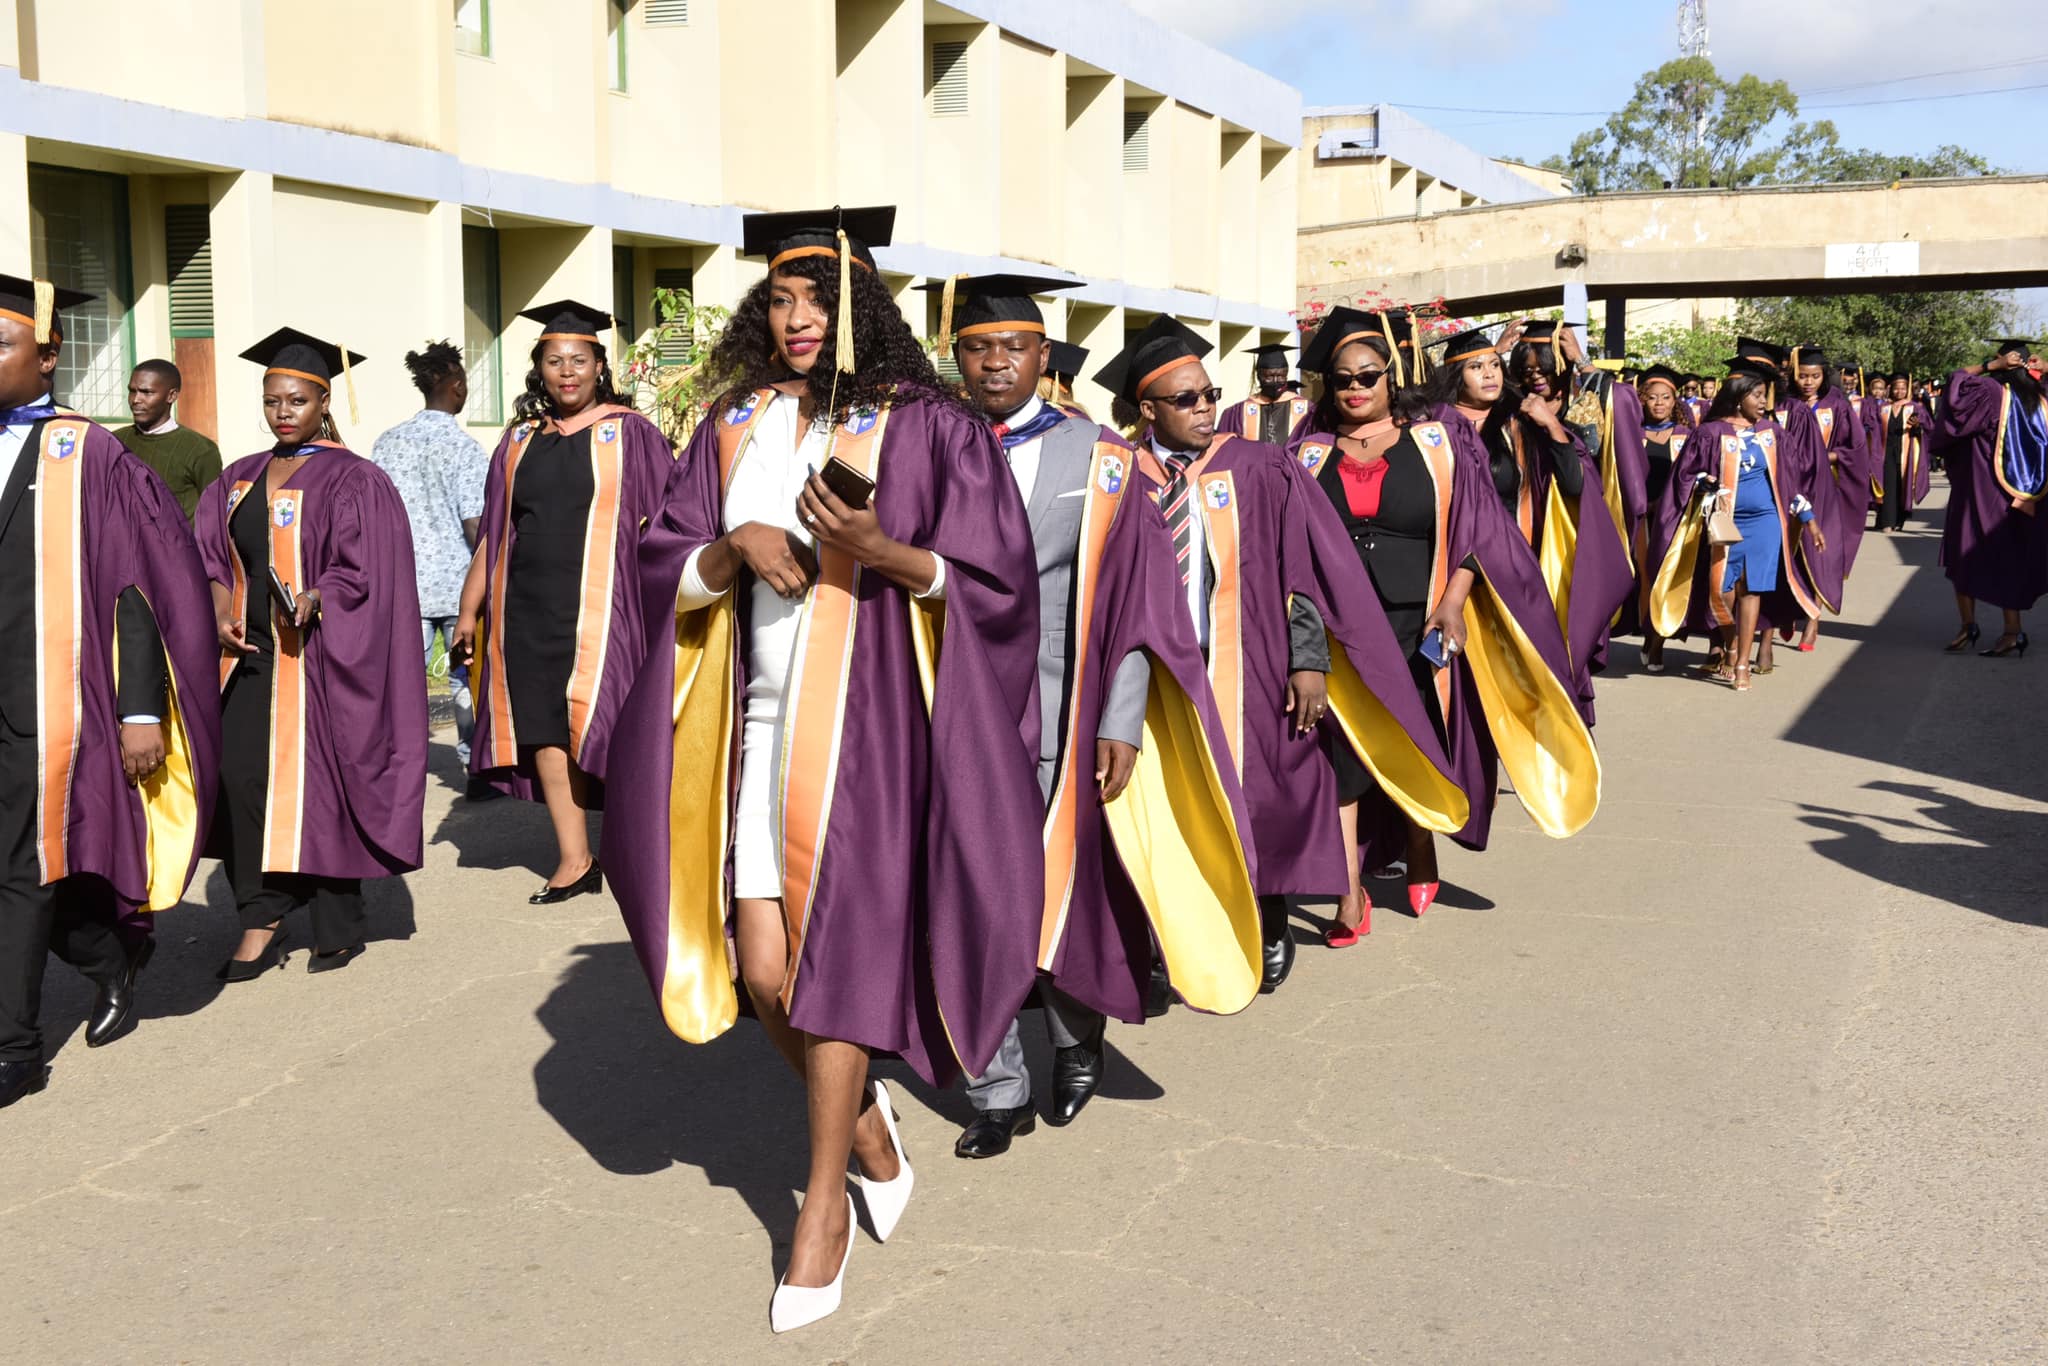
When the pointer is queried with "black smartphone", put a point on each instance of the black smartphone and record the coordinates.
(281, 594)
(848, 484)
(1432, 649)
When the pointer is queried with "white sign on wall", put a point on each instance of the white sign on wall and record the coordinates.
(1853, 260)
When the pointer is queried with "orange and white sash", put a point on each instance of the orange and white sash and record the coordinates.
(1435, 444)
(284, 796)
(815, 701)
(60, 636)
(504, 751)
(1109, 473)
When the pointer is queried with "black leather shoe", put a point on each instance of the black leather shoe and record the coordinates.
(480, 790)
(18, 1079)
(590, 883)
(249, 969)
(1159, 993)
(992, 1130)
(1076, 1072)
(1279, 962)
(113, 1008)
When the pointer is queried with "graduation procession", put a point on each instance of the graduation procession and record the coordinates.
(1451, 805)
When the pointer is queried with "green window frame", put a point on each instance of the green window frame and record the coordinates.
(473, 39)
(79, 239)
(483, 326)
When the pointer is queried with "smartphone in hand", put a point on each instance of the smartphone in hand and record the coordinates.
(1432, 649)
(281, 594)
(848, 484)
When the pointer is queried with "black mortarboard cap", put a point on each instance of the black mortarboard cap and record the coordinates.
(1663, 372)
(1166, 342)
(1270, 354)
(567, 318)
(1999, 348)
(1809, 355)
(1339, 328)
(1758, 367)
(1754, 349)
(814, 232)
(995, 303)
(18, 301)
(1067, 359)
(1466, 345)
(302, 354)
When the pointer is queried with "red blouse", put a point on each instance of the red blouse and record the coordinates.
(1362, 484)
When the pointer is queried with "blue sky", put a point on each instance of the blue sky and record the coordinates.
(1538, 56)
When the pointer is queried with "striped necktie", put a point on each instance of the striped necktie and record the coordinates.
(1173, 505)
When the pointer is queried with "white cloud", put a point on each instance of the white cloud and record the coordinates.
(1444, 28)
(1821, 44)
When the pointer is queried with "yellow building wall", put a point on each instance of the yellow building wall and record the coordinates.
(1277, 253)
(1148, 203)
(774, 94)
(961, 173)
(1032, 124)
(203, 46)
(1239, 215)
(533, 104)
(663, 129)
(1094, 226)
(1197, 152)
(881, 113)
(366, 66)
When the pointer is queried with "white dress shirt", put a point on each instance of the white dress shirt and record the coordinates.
(1199, 575)
(1023, 456)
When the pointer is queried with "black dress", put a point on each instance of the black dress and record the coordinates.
(1397, 546)
(1891, 513)
(1658, 455)
(551, 494)
(261, 897)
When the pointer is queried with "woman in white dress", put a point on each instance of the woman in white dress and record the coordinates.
(883, 821)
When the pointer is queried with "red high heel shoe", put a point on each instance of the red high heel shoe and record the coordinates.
(1421, 896)
(1338, 937)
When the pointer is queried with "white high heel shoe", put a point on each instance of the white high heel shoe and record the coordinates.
(797, 1305)
(886, 1199)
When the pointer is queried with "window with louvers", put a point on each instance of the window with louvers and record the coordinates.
(1137, 141)
(188, 248)
(949, 79)
(660, 12)
(677, 345)
(78, 239)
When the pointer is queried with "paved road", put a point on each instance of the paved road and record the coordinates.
(1751, 1072)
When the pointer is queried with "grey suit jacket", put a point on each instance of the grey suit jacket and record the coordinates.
(1057, 501)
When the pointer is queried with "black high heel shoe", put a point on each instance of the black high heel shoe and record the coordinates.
(2016, 650)
(1962, 642)
(590, 883)
(332, 962)
(249, 969)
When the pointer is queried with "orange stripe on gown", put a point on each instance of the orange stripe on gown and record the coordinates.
(60, 623)
(285, 792)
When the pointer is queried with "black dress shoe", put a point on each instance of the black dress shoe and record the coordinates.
(1279, 961)
(249, 969)
(590, 882)
(113, 1007)
(1076, 1072)
(333, 962)
(18, 1079)
(992, 1130)
(480, 790)
(1158, 993)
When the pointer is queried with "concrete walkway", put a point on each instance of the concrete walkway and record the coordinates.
(1751, 1072)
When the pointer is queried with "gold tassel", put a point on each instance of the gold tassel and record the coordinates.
(348, 379)
(1421, 350)
(46, 310)
(946, 313)
(844, 344)
(1393, 351)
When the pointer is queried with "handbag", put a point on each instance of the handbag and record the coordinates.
(1721, 518)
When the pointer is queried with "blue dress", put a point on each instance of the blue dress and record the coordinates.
(1760, 552)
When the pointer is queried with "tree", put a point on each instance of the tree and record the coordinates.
(1702, 350)
(1862, 163)
(1926, 334)
(1687, 127)
(663, 370)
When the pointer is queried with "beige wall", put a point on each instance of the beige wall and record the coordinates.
(961, 193)
(533, 105)
(664, 138)
(1031, 125)
(1092, 152)
(319, 66)
(879, 41)
(213, 46)
(762, 105)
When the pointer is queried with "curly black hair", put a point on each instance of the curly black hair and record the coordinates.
(889, 359)
(433, 365)
(535, 404)
(1405, 405)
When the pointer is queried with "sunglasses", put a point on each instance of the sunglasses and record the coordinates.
(1357, 379)
(1191, 398)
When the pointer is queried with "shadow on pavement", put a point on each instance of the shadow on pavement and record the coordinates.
(1983, 858)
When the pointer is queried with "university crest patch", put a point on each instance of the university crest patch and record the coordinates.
(1111, 477)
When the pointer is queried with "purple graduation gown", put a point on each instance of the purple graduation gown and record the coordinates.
(1848, 447)
(1799, 472)
(107, 523)
(1993, 546)
(926, 868)
(630, 464)
(349, 783)
(1103, 957)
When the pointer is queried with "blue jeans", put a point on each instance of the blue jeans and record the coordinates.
(458, 680)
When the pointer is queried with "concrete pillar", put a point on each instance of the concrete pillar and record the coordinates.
(245, 302)
(1616, 340)
(14, 230)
